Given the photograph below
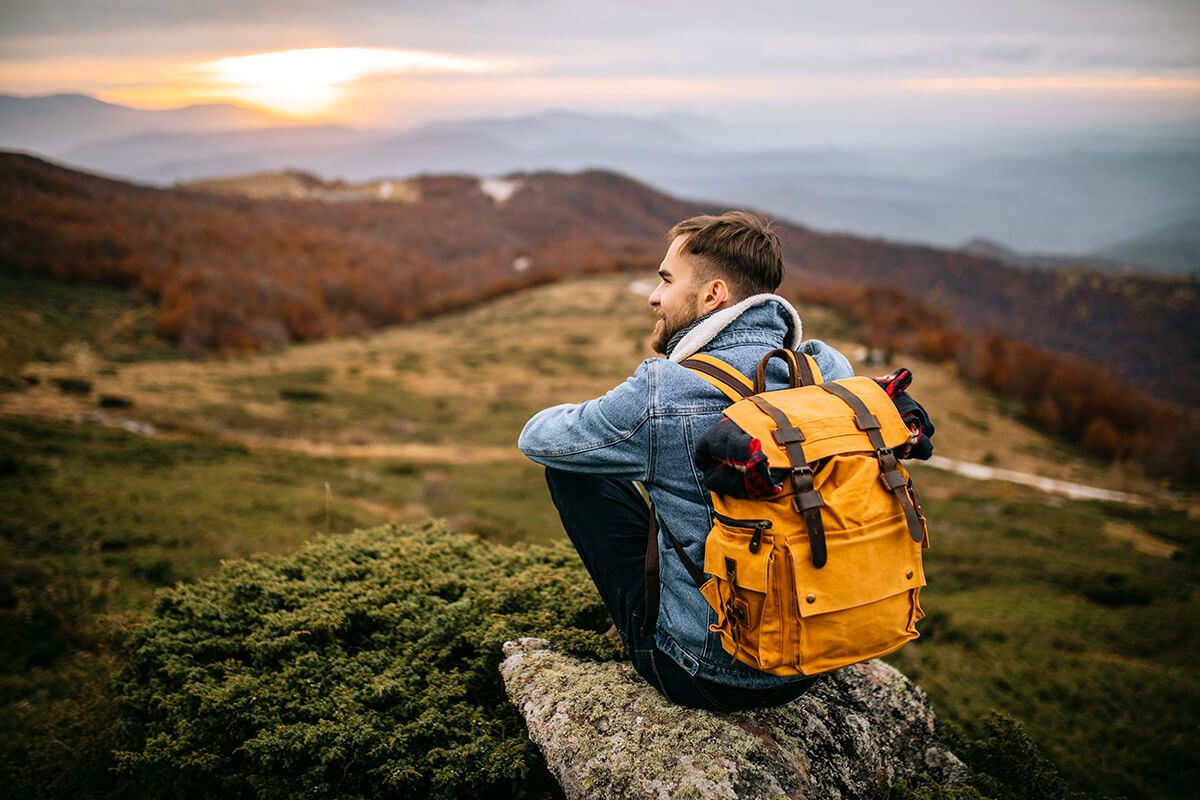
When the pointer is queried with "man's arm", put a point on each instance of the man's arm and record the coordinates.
(830, 361)
(606, 436)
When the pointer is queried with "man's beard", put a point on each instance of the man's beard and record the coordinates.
(667, 326)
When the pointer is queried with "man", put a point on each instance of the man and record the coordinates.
(715, 296)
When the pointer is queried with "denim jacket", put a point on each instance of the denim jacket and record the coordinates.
(646, 430)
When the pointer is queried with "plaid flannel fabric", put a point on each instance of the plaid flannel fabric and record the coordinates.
(733, 463)
(914, 415)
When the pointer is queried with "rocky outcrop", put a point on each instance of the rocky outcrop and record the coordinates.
(605, 733)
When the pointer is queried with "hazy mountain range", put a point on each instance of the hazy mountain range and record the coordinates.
(1113, 199)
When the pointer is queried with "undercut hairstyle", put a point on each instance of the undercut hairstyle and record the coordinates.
(737, 246)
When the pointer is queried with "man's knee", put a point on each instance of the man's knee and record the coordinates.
(580, 492)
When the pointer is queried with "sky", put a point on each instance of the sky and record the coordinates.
(962, 68)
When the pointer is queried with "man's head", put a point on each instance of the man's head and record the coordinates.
(713, 262)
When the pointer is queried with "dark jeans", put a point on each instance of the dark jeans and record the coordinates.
(607, 521)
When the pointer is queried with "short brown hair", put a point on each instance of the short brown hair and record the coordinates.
(741, 247)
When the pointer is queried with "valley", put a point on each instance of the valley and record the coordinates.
(124, 474)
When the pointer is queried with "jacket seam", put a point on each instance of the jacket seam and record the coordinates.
(651, 400)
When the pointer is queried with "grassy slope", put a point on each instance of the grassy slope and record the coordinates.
(45, 320)
(1041, 608)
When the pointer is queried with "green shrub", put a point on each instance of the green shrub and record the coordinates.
(367, 666)
(1006, 764)
(362, 666)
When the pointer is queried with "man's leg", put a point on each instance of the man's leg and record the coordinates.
(608, 522)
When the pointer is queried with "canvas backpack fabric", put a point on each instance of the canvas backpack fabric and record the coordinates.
(827, 572)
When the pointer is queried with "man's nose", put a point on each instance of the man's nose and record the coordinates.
(654, 296)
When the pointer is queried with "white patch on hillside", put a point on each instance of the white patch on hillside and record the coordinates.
(522, 263)
(499, 189)
(982, 472)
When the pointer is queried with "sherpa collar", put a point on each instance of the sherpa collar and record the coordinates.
(706, 331)
(678, 335)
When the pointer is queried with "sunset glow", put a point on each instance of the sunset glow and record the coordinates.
(306, 82)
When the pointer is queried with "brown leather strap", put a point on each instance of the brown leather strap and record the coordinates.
(760, 373)
(804, 372)
(693, 571)
(739, 389)
(807, 501)
(916, 498)
(890, 474)
(736, 374)
(650, 620)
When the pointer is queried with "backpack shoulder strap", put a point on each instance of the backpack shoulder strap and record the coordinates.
(736, 386)
(809, 371)
(732, 383)
(650, 618)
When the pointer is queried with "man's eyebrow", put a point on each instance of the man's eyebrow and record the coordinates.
(664, 273)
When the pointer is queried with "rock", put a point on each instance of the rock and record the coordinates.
(605, 733)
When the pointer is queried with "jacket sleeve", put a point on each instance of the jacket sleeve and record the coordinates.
(833, 365)
(606, 436)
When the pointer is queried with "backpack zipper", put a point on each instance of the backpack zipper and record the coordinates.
(757, 525)
(787, 591)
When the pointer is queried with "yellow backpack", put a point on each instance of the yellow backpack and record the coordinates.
(828, 572)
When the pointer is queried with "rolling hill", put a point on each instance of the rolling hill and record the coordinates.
(230, 272)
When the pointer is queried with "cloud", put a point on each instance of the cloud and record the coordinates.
(618, 55)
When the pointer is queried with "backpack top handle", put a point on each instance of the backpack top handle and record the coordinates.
(799, 371)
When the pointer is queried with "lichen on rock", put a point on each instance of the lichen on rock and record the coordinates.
(606, 733)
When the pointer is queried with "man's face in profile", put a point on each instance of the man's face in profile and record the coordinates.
(675, 299)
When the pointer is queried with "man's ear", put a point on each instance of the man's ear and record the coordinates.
(715, 295)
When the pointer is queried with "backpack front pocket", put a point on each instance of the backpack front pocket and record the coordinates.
(740, 556)
(864, 602)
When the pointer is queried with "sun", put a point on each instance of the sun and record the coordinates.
(306, 82)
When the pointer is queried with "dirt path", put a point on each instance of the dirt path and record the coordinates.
(431, 454)
(416, 453)
(1075, 491)
(462, 455)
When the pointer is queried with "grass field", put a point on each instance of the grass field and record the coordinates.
(45, 320)
(1079, 619)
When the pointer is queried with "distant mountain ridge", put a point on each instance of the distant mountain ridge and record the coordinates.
(1173, 246)
(986, 248)
(53, 124)
(1057, 195)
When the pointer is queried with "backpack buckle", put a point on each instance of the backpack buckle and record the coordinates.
(893, 480)
(866, 422)
(802, 478)
(785, 436)
(807, 501)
